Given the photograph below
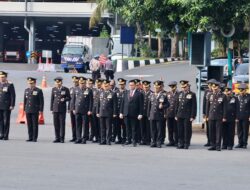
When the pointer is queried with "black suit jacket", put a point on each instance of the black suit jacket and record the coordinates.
(132, 106)
(56, 105)
(33, 100)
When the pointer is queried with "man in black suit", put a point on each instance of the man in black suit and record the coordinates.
(7, 104)
(106, 111)
(81, 104)
(185, 114)
(33, 105)
(75, 81)
(60, 95)
(131, 110)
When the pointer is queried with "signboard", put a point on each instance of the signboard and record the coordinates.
(47, 53)
(127, 35)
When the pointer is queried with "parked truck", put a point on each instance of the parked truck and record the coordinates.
(79, 50)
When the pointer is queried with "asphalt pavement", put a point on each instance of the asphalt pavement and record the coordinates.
(44, 165)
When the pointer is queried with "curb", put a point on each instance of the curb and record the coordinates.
(123, 65)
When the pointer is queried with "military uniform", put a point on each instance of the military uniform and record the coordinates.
(82, 103)
(170, 115)
(33, 104)
(131, 108)
(228, 130)
(95, 128)
(144, 122)
(243, 115)
(107, 108)
(186, 108)
(59, 97)
(216, 110)
(7, 101)
(156, 116)
(207, 92)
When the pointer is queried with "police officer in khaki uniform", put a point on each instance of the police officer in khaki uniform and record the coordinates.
(81, 104)
(243, 116)
(158, 102)
(33, 105)
(185, 114)
(228, 130)
(95, 127)
(106, 111)
(7, 104)
(216, 112)
(119, 124)
(75, 81)
(144, 122)
(172, 96)
(60, 95)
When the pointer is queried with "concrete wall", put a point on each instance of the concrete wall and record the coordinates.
(48, 9)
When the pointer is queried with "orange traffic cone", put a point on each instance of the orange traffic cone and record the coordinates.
(41, 119)
(21, 118)
(44, 83)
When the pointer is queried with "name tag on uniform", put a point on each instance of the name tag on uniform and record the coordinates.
(86, 92)
(220, 100)
(71, 92)
(189, 96)
(232, 101)
(63, 93)
(109, 96)
(161, 100)
(5, 89)
(35, 93)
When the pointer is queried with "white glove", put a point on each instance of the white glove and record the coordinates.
(121, 116)
(139, 117)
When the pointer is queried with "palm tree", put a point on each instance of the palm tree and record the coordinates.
(96, 16)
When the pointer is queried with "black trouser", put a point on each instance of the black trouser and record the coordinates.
(208, 132)
(81, 126)
(119, 129)
(109, 74)
(95, 127)
(228, 132)
(145, 130)
(106, 129)
(215, 127)
(243, 130)
(4, 123)
(164, 130)
(96, 75)
(184, 131)
(73, 124)
(172, 130)
(32, 123)
(59, 124)
(156, 131)
(131, 129)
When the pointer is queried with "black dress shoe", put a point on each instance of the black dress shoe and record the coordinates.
(229, 148)
(1, 138)
(134, 144)
(143, 143)
(78, 142)
(180, 147)
(153, 145)
(159, 146)
(118, 142)
(28, 140)
(72, 140)
(208, 144)
(108, 143)
(34, 140)
(127, 143)
(239, 146)
(170, 144)
(212, 148)
(244, 146)
(102, 143)
(5, 138)
(186, 147)
(224, 147)
(56, 141)
(61, 141)
(218, 149)
(84, 142)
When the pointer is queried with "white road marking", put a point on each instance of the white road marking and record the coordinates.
(139, 76)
